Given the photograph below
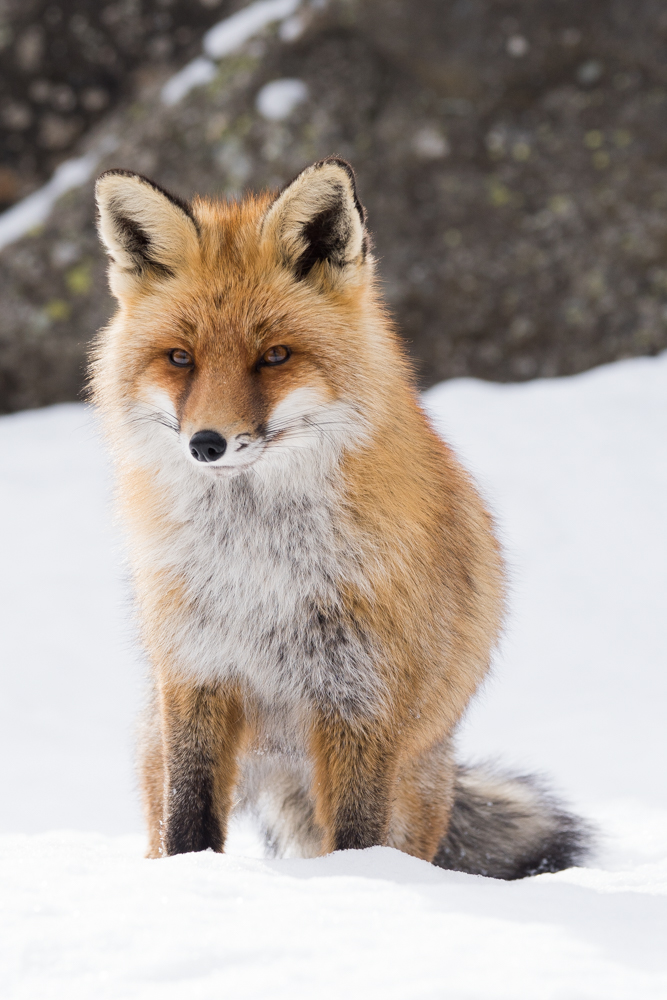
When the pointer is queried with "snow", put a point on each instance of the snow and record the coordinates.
(196, 73)
(35, 209)
(224, 38)
(575, 470)
(291, 29)
(86, 917)
(278, 99)
(228, 35)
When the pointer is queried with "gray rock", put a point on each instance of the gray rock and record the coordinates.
(511, 157)
(62, 66)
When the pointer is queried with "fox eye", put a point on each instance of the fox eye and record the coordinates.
(275, 355)
(180, 358)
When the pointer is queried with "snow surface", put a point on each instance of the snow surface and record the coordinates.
(576, 471)
(278, 99)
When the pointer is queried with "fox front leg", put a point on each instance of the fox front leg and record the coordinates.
(354, 777)
(201, 729)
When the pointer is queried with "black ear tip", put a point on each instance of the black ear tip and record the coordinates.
(118, 172)
(338, 161)
(181, 203)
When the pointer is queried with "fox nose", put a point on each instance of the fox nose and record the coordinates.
(207, 446)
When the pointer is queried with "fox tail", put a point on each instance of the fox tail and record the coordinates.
(508, 826)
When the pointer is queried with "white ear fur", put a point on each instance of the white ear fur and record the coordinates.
(318, 218)
(146, 231)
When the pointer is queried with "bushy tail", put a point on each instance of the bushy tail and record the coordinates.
(508, 826)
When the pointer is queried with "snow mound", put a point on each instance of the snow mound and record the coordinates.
(86, 917)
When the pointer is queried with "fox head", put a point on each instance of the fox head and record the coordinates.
(246, 330)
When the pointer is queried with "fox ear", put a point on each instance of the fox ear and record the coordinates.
(318, 219)
(147, 232)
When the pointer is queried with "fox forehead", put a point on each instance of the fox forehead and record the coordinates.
(236, 298)
(227, 331)
(229, 233)
(224, 288)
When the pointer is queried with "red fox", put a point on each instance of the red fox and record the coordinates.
(318, 582)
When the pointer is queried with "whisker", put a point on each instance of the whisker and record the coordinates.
(291, 435)
(305, 422)
(154, 415)
(309, 415)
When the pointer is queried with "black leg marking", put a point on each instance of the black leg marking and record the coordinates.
(192, 823)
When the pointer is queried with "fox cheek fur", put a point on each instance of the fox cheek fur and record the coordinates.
(318, 582)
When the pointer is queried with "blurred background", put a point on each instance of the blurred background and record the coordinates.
(512, 157)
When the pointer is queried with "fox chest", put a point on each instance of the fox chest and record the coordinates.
(261, 604)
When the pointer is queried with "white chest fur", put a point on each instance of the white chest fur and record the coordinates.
(261, 568)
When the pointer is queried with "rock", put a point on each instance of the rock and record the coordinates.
(62, 65)
(511, 157)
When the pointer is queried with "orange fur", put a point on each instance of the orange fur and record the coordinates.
(427, 586)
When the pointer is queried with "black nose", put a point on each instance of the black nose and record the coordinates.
(207, 446)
